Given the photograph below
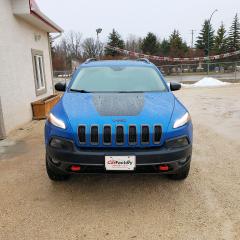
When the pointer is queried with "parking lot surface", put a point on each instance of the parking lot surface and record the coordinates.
(205, 206)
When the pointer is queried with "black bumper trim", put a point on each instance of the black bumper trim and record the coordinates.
(96, 158)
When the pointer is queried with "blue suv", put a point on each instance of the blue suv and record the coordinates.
(118, 117)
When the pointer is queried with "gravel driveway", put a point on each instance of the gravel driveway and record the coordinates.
(205, 206)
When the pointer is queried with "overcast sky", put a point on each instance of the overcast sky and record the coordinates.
(138, 16)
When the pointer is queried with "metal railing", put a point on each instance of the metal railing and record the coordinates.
(224, 71)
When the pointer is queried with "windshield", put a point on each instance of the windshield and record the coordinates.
(118, 79)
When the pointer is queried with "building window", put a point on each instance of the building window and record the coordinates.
(39, 73)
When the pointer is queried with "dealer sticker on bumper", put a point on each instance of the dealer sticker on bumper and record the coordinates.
(120, 163)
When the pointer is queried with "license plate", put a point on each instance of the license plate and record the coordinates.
(120, 163)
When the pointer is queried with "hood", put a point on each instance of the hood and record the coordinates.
(105, 108)
(119, 108)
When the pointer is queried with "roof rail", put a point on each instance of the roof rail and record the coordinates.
(144, 60)
(90, 60)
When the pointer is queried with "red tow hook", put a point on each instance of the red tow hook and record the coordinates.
(163, 168)
(75, 168)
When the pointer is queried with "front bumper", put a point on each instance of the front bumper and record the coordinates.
(93, 160)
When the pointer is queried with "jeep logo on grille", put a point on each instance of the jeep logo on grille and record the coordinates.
(119, 120)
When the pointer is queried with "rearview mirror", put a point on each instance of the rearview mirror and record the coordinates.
(175, 86)
(60, 87)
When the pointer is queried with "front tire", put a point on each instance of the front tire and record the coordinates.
(55, 175)
(181, 174)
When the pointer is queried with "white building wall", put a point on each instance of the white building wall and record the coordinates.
(17, 87)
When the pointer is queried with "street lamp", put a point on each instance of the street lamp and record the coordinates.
(209, 22)
(98, 30)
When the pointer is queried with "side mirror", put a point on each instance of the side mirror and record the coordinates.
(60, 87)
(175, 86)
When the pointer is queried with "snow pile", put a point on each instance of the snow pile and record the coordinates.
(209, 82)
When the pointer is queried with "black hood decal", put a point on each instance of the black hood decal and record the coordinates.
(118, 104)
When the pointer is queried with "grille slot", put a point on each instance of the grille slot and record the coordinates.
(82, 134)
(107, 135)
(132, 135)
(120, 135)
(157, 134)
(94, 135)
(145, 134)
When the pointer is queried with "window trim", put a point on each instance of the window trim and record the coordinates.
(43, 90)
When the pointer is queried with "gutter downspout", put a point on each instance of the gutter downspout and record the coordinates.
(50, 55)
(51, 64)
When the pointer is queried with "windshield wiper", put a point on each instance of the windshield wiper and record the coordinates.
(79, 90)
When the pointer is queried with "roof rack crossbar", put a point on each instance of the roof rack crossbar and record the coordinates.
(143, 60)
(90, 60)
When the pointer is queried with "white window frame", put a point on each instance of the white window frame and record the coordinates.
(39, 72)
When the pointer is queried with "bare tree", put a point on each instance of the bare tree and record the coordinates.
(133, 43)
(74, 41)
(92, 48)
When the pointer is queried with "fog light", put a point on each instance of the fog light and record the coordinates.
(177, 143)
(55, 161)
(61, 144)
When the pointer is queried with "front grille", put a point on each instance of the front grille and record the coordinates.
(122, 135)
(107, 135)
(145, 135)
(132, 135)
(157, 134)
(82, 134)
(94, 135)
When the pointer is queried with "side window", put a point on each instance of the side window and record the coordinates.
(39, 73)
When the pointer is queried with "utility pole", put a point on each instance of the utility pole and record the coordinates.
(98, 31)
(209, 24)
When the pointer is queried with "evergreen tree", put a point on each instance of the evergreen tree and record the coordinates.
(202, 41)
(234, 35)
(114, 40)
(150, 44)
(177, 47)
(165, 47)
(220, 40)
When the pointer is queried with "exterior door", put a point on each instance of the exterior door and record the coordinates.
(2, 129)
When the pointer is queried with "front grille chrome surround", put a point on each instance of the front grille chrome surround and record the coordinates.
(120, 134)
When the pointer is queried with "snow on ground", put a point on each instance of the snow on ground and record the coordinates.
(207, 82)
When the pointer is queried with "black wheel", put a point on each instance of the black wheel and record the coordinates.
(181, 174)
(55, 175)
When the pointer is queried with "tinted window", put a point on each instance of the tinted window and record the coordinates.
(118, 79)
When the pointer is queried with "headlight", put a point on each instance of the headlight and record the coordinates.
(56, 122)
(182, 121)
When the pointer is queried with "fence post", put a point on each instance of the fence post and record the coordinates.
(181, 73)
(235, 71)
